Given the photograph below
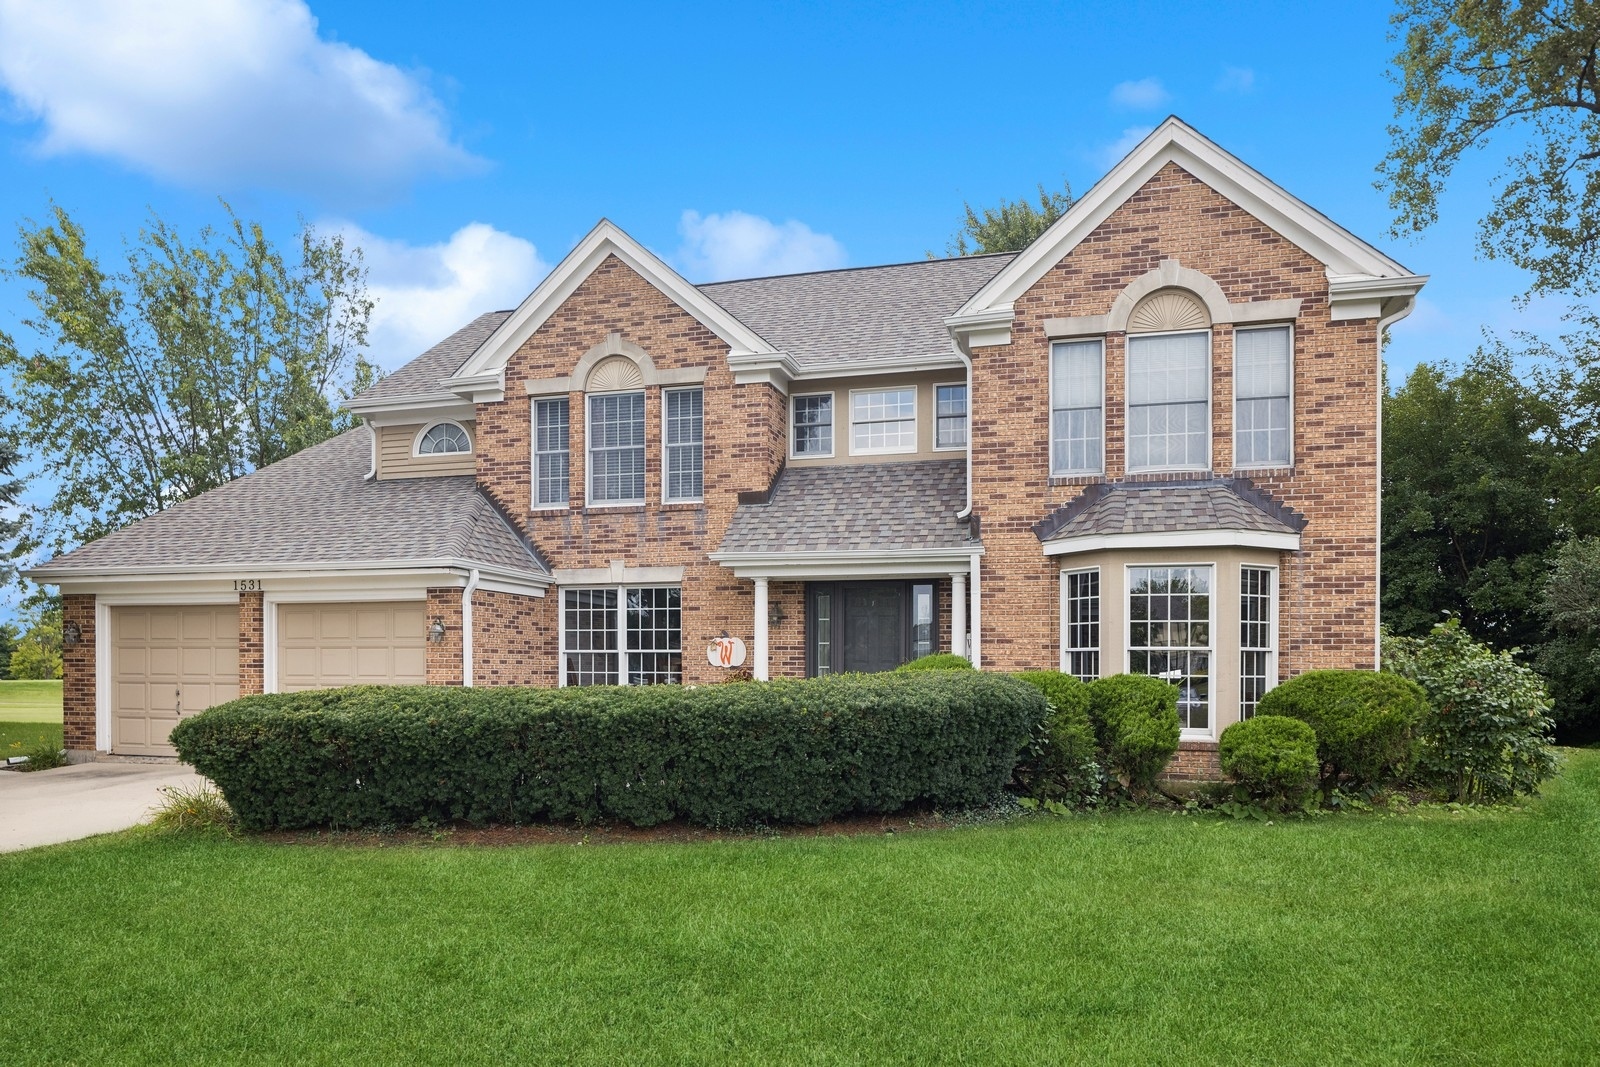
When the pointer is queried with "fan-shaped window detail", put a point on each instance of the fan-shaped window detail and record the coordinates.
(443, 438)
(1168, 312)
(614, 374)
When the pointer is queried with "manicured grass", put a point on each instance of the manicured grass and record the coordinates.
(30, 701)
(1434, 938)
(17, 736)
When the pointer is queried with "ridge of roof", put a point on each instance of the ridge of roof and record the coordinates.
(862, 267)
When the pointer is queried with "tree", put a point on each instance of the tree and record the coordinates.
(38, 654)
(1010, 227)
(1570, 659)
(9, 635)
(1470, 72)
(11, 518)
(198, 363)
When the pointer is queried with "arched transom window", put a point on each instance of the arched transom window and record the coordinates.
(444, 438)
(1169, 383)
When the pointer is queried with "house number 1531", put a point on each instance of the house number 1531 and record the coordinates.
(247, 585)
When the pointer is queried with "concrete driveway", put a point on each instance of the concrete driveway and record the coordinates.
(64, 804)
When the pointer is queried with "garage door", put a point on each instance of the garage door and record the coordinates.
(168, 662)
(325, 645)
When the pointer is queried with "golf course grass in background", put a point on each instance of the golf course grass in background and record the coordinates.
(30, 712)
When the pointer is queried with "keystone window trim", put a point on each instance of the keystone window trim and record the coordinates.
(1064, 343)
(833, 425)
(896, 450)
(591, 501)
(1128, 405)
(1288, 461)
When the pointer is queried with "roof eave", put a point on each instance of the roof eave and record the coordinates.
(1210, 538)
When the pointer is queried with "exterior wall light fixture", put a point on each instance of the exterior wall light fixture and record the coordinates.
(71, 635)
(436, 631)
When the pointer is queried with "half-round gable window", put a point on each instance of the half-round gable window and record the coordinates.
(444, 438)
(614, 374)
(1169, 311)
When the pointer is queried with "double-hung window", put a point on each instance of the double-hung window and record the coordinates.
(1257, 639)
(1262, 362)
(551, 472)
(616, 448)
(1076, 407)
(1080, 624)
(883, 420)
(950, 416)
(622, 636)
(1169, 406)
(1169, 635)
(685, 432)
(811, 423)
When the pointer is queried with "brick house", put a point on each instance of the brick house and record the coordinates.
(1148, 442)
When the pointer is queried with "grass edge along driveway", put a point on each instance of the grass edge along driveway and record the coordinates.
(1434, 937)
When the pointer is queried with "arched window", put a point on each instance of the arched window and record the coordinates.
(443, 438)
(1169, 383)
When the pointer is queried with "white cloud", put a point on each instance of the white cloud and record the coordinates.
(1236, 80)
(737, 245)
(1110, 155)
(203, 92)
(1141, 95)
(427, 292)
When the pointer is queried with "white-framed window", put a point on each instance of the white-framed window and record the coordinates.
(1077, 407)
(622, 635)
(1258, 636)
(811, 426)
(1169, 636)
(950, 416)
(616, 448)
(883, 421)
(1263, 402)
(1169, 401)
(443, 438)
(684, 421)
(1080, 623)
(552, 459)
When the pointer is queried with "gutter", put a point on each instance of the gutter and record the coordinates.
(466, 628)
(372, 433)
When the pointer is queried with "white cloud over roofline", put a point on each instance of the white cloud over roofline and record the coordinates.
(734, 244)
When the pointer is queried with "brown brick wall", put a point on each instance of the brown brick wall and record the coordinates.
(444, 657)
(514, 639)
(252, 643)
(77, 675)
(1195, 761)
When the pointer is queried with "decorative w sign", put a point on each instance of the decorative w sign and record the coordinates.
(725, 652)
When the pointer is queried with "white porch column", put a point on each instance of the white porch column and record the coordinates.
(958, 613)
(975, 654)
(759, 653)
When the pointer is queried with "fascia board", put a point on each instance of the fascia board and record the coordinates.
(412, 402)
(1181, 539)
(202, 572)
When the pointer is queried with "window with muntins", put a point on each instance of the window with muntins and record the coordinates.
(1169, 406)
(1077, 413)
(551, 459)
(1169, 635)
(1256, 637)
(622, 636)
(444, 438)
(812, 424)
(1081, 624)
(950, 414)
(616, 449)
(883, 420)
(1262, 412)
(685, 426)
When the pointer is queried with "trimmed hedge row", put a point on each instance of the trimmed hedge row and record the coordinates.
(1363, 720)
(783, 751)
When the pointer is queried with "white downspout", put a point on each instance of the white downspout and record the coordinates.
(372, 470)
(760, 670)
(967, 360)
(975, 646)
(466, 628)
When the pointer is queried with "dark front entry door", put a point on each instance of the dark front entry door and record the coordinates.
(868, 626)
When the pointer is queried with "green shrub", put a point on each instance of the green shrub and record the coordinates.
(938, 661)
(192, 807)
(1136, 721)
(1363, 720)
(1061, 763)
(1273, 757)
(787, 751)
(44, 756)
(1487, 730)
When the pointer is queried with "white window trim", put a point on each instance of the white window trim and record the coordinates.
(1235, 388)
(1185, 734)
(833, 426)
(666, 474)
(533, 449)
(915, 422)
(937, 447)
(1050, 407)
(1127, 402)
(589, 503)
(1277, 626)
(416, 442)
(1065, 653)
(621, 625)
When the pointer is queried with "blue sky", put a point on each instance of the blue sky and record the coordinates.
(468, 147)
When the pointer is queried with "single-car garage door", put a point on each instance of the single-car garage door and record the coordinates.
(168, 662)
(321, 646)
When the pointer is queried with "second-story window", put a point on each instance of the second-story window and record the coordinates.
(616, 448)
(811, 426)
(1261, 406)
(1169, 402)
(551, 459)
(685, 445)
(883, 420)
(1077, 416)
(950, 411)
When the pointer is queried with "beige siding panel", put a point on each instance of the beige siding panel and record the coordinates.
(169, 662)
(395, 460)
(323, 646)
(841, 388)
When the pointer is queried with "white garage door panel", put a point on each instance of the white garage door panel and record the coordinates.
(322, 646)
(169, 662)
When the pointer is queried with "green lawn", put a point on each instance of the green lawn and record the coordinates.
(29, 712)
(1435, 938)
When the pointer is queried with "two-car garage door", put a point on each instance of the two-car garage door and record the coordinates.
(169, 662)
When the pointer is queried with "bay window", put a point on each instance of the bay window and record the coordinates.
(1169, 635)
(1080, 624)
(1257, 637)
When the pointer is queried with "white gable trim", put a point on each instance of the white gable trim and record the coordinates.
(483, 376)
(1345, 255)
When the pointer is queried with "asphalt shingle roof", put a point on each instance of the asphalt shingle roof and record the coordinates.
(316, 507)
(876, 507)
(1170, 507)
(422, 375)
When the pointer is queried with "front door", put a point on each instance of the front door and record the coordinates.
(868, 626)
